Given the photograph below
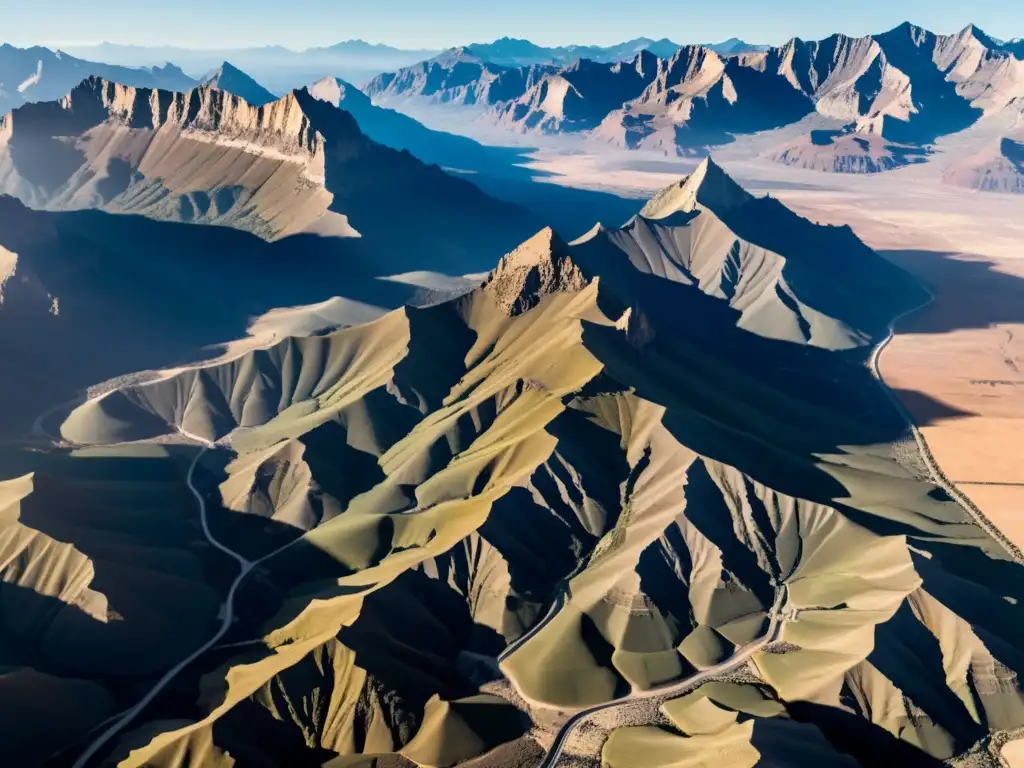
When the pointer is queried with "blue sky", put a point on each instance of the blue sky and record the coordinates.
(443, 23)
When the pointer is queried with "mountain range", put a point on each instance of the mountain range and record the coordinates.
(517, 52)
(282, 69)
(650, 456)
(39, 74)
(890, 96)
(327, 440)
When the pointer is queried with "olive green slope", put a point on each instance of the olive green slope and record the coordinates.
(598, 482)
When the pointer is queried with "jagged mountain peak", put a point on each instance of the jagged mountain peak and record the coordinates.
(539, 267)
(915, 35)
(230, 78)
(708, 186)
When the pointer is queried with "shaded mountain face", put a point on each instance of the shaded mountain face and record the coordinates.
(39, 74)
(604, 474)
(233, 80)
(86, 296)
(907, 86)
(503, 172)
(399, 131)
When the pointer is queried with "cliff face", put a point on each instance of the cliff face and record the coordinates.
(281, 126)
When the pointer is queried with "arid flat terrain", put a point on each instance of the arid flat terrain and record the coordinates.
(958, 365)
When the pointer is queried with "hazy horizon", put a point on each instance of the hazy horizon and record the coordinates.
(446, 23)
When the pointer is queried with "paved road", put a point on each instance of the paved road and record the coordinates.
(936, 472)
(556, 606)
(227, 617)
(734, 662)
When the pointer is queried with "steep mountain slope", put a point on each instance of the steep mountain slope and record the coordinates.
(39, 74)
(907, 85)
(296, 165)
(841, 151)
(577, 97)
(698, 99)
(457, 76)
(760, 267)
(503, 172)
(997, 168)
(399, 131)
(233, 80)
(587, 480)
(742, 260)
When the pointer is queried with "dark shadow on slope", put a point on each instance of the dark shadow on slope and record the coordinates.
(836, 286)
(541, 548)
(940, 109)
(252, 736)
(707, 510)
(665, 568)
(45, 707)
(766, 407)
(970, 292)
(867, 743)
(908, 653)
(498, 170)
(407, 639)
(136, 521)
(570, 211)
(767, 100)
(139, 525)
(546, 543)
(409, 635)
(135, 294)
(978, 588)
(450, 151)
(398, 204)
(928, 410)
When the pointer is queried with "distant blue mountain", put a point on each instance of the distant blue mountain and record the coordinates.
(513, 52)
(734, 45)
(233, 80)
